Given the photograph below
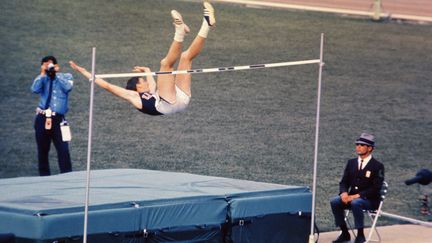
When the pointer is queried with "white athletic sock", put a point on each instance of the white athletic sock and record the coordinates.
(205, 28)
(179, 32)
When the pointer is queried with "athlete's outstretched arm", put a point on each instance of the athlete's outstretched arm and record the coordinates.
(150, 80)
(129, 95)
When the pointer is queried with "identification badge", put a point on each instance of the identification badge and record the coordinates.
(48, 119)
(368, 174)
(65, 131)
(48, 123)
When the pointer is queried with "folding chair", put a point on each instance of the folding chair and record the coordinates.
(373, 216)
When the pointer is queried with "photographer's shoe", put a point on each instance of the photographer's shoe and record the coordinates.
(209, 13)
(178, 20)
(342, 238)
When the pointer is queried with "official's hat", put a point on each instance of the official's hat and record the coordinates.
(367, 139)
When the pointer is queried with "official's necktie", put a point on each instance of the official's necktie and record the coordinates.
(361, 164)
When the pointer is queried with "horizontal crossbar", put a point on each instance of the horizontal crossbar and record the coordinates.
(208, 70)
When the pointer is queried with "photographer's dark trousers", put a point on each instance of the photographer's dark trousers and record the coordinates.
(44, 138)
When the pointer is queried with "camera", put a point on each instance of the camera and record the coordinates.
(423, 177)
(51, 72)
(50, 68)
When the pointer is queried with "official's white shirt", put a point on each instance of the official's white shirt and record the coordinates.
(365, 161)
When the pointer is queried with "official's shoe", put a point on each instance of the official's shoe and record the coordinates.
(178, 20)
(360, 239)
(342, 238)
(209, 13)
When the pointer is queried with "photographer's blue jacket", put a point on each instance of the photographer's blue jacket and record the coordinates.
(62, 85)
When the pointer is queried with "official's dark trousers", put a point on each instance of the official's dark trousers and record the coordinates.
(43, 139)
(356, 206)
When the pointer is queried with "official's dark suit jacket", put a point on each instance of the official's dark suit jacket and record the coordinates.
(366, 182)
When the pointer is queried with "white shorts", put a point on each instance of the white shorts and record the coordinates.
(182, 101)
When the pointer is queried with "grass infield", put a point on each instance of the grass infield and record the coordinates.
(256, 125)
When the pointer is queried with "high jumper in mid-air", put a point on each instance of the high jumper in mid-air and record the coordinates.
(170, 93)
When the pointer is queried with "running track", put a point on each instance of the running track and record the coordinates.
(413, 10)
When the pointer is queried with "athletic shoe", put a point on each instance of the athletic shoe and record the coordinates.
(209, 14)
(178, 20)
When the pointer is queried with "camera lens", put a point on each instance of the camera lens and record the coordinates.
(51, 67)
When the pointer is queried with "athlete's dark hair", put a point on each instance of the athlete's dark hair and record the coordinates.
(131, 83)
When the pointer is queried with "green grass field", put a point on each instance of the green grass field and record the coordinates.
(256, 125)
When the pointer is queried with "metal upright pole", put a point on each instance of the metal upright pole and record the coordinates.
(89, 143)
(321, 64)
(377, 10)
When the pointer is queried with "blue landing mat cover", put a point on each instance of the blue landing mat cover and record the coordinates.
(125, 200)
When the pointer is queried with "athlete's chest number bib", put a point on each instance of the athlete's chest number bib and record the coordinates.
(146, 96)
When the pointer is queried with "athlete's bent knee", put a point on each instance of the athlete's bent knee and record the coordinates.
(185, 57)
(165, 65)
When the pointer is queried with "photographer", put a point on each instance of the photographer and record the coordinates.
(50, 123)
